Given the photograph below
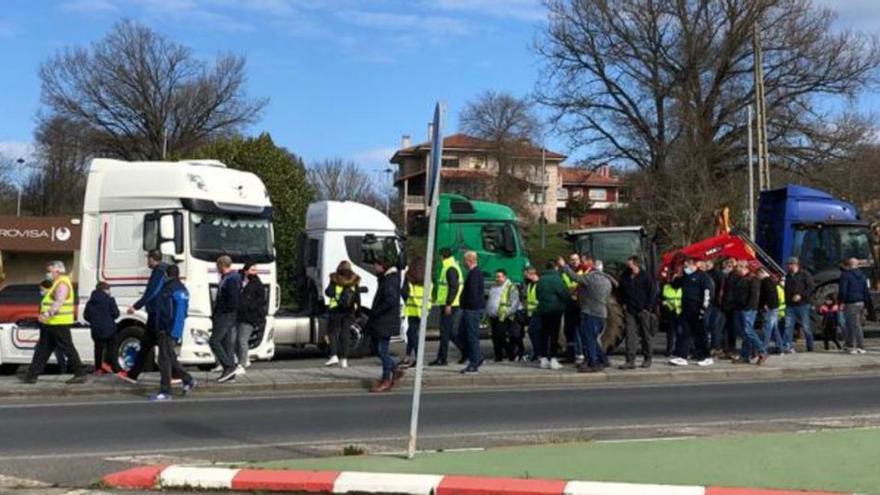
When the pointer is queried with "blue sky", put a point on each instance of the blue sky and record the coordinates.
(344, 77)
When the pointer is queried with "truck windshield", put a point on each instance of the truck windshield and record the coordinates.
(242, 238)
(364, 250)
(613, 248)
(824, 247)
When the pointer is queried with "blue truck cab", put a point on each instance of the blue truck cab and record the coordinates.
(819, 229)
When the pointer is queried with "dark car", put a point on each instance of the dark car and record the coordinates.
(20, 303)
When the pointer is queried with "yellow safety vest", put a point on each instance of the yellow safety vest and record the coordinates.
(64, 316)
(570, 283)
(414, 301)
(504, 305)
(532, 298)
(334, 301)
(443, 286)
(780, 292)
(672, 298)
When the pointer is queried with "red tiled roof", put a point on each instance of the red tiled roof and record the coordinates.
(574, 176)
(465, 142)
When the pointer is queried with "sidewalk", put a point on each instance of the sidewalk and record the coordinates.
(828, 461)
(300, 377)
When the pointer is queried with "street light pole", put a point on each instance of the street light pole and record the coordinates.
(388, 171)
(20, 161)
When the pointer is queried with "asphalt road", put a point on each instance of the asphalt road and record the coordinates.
(74, 443)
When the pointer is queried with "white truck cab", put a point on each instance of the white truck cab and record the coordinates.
(337, 231)
(192, 211)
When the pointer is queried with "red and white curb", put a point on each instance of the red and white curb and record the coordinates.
(178, 477)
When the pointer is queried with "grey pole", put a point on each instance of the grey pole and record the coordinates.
(751, 178)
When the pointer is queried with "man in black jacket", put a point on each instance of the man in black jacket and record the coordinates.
(225, 315)
(637, 295)
(251, 313)
(447, 295)
(854, 296)
(473, 304)
(749, 299)
(150, 301)
(385, 321)
(799, 287)
(696, 294)
(728, 306)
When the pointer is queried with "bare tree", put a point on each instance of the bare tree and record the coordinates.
(144, 95)
(57, 186)
(510, 127)
(630, 79)
(337, 180)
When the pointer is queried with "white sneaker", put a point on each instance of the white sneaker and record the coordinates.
(217, 369)
(344, 363)
(579, 359)
(247, 364)
(545, 364)
(861, 351)
(554, 364)
(239, 370)
(334, 360)
(854, 352)
(677, 361)
(706, 362)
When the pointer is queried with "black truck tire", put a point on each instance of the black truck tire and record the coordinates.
(615, 325)
(126, 345)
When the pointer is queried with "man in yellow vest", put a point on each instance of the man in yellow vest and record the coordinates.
(573, 349)
(670, 312)
(448, 297)
(530, 308)
(501, 307)
(56, 318)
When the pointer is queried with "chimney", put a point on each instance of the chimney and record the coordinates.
(430, 131)
(405, 141)
(605, 171)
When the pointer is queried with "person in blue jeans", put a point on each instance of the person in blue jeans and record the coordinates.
(384, 322)
(473, 304)
(769, 308)
(593, 291)
(799, 287)
(749, 296)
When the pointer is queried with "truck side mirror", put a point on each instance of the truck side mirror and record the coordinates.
(171, 234)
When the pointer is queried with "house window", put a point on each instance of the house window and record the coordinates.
(536, 195)
(478, 162)
(598, 194)
(576, 193)
(450, 163)
(562, 194)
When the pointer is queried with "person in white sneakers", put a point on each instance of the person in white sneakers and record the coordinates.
(343, 295)
(696, 294)
(553, 297)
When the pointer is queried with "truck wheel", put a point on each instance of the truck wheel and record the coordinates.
(614, 326)
(359, 343)
(126, 347)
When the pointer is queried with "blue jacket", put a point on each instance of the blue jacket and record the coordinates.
(150, 299)
(101, 312)
(853, 287)
(473, 296)
(228, 294)
(173, 308)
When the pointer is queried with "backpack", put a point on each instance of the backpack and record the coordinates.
(347, 298)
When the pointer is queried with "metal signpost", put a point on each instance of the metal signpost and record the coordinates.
(434, 200)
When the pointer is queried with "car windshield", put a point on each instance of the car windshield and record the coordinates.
(243, 238)
(824, 247)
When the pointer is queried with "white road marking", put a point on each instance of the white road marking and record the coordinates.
(13, 482)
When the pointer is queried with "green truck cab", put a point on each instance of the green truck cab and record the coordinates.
(490, 229)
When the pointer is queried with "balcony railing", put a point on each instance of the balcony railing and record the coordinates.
(415, 201)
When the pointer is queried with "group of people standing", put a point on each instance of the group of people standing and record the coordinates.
(706, 306)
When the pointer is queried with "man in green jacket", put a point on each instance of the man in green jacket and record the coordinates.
(553, 299)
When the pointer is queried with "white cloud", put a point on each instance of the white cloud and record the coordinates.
(861, 14)
(432, 24)
(524, 10)
(13, 150)
(91, 6)
(373, 158)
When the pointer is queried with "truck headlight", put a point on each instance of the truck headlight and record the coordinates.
(200, 336)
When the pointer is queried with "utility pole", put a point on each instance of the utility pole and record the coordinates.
(761, 114)
(20, 161)
(751, 178)
(543, 220)
(389, 177)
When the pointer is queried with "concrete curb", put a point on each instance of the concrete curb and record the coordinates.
(530, 377)
(184, 477)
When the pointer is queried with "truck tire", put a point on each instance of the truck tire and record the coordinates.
(359, 343)
(615, 330)
(126, 346)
